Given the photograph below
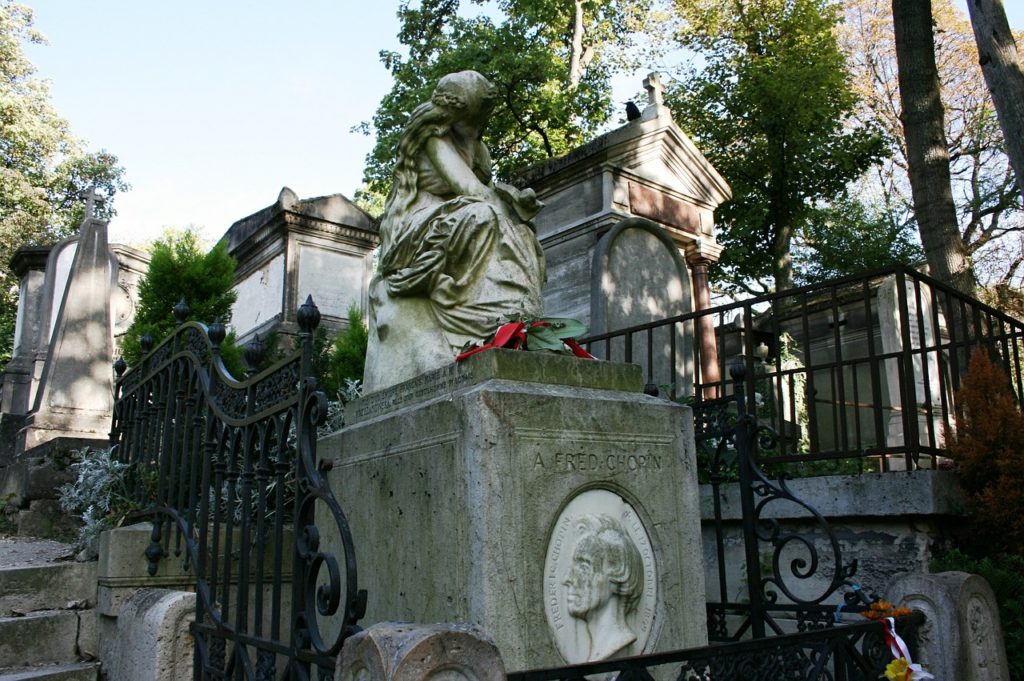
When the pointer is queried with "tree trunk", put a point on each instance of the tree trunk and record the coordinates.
(997, 54)
(576, 49)
(927, 154)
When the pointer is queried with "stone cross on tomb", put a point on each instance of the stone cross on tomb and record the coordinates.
(92, 199)
(655, 88)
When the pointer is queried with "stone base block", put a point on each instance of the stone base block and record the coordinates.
(540, 497)
(392, 651)
(154, 641)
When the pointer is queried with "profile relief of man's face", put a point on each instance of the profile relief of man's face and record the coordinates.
(604, 582)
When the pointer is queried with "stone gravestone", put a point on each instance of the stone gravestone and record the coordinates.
(962, 638)
(923, 333)
(296, 247)
(628, 235)
(43, 272)
(75, 394)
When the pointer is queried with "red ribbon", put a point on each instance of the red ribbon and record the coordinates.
(513, 336)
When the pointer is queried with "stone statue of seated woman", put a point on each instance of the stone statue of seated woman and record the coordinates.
(457, 252)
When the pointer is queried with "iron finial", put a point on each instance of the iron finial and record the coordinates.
(308, 315)
(181, 311)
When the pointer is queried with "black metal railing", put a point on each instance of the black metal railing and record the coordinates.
(859, 371)
(227, 471)
(854, 652)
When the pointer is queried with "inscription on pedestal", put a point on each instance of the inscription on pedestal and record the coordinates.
(583, 462)
(419, 389)
(600, 579)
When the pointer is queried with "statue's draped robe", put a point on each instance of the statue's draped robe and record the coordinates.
(449, 270)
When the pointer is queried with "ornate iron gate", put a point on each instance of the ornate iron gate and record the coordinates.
(227, 470)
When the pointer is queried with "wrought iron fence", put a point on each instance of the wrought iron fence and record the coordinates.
(854, 652)
(860, 370)
(227, 471)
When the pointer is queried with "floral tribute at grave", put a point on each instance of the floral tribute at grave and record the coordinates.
(552, 334)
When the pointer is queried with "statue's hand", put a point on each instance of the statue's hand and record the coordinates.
(523, 202)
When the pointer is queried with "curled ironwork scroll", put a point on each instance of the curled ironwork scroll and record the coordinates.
(227, 471)
(803, 573)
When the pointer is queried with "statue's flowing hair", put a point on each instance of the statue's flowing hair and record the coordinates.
(454, 93)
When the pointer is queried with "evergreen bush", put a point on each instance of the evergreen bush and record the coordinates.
(988, 447)
(344, 359)
(179, 268)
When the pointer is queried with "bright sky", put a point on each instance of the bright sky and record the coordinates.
(213, 105)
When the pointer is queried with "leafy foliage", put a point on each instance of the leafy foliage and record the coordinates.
(43, 168)
(988, 446)
(100, 494)
(344, 359)
(554, 84)
(769, 103)
(847, 237)
(179, 268)
(1005, 574)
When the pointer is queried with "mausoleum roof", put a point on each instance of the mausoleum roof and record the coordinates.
(333, 208)
(651, 147)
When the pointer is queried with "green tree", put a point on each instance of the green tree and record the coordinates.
(847, 237)
(551, 62)
(43, 168)
(769, 103)
(179, 268)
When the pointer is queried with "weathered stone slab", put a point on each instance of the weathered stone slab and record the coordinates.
(123, 568)
(891, 523)
(962, 638)
(532, 367)
(45, 637)
(392, 651)
(475, 506)
(25, 589)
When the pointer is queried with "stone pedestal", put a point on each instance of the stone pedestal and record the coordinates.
(540, 497)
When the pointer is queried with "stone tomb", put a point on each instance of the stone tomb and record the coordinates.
(510, 491)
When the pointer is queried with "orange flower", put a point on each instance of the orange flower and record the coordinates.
(882, 609)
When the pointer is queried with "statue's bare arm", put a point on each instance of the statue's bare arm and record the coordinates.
(456, 172)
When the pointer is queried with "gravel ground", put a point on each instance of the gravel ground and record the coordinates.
(25, 552)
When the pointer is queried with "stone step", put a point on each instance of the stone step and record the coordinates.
(81, 671)
(45, 637)
(47, 587)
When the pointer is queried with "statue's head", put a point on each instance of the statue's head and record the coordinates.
(465, 94)
(605, 564)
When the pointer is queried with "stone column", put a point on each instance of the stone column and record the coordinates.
(709, 371)
(29, 264)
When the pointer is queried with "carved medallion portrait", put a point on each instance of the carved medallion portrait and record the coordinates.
(600, 581)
